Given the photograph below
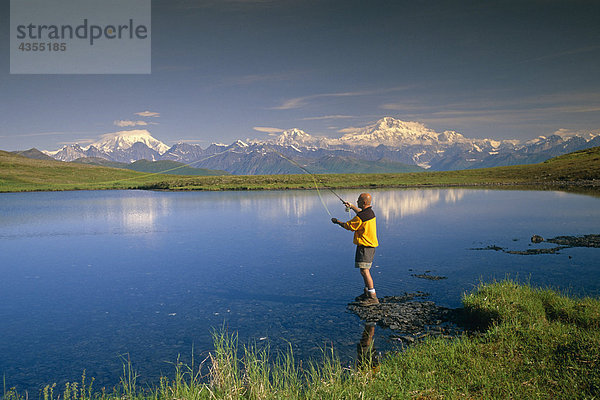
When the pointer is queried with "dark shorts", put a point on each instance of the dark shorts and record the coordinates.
(364, 257)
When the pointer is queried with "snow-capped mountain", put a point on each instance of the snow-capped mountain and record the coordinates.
(294, 137)
(396, 133)
(122, 146)
(123, 140)
(388, 143)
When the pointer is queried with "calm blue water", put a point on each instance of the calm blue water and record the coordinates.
(89, 277)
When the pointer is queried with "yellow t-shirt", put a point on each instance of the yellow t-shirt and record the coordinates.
(364, 227)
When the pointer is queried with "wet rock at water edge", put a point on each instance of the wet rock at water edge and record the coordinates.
(537, 239)
(577, 241)
(492, 247)
(563, 242)
(528, 252)
(409, 317)
(429, 277)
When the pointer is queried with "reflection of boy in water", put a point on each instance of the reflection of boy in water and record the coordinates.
(365, 239)
(365, 349)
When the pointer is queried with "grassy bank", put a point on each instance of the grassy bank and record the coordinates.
(18, 173)
(534, 344)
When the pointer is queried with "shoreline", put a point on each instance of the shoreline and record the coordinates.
(580, 186)
(524, 342)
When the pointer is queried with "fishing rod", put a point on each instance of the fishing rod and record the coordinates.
(344, 202)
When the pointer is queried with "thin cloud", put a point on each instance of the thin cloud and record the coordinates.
(299, 102)
(491, 111)
(571, 52)
(267, 129)
(148, 114)
(123, 123)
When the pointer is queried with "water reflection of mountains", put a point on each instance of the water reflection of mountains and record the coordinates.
(138, 212)
(389, 205)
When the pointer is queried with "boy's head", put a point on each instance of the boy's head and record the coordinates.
(364, 200)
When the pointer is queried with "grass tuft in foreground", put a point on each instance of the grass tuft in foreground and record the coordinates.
(535, 343)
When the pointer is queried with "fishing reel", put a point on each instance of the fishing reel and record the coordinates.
(345, 203)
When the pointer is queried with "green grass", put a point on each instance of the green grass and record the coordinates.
(18, 173)
(534, 344)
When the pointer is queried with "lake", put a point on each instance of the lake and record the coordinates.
(91, 278)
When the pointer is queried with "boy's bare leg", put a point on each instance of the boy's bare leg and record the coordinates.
(366, 274)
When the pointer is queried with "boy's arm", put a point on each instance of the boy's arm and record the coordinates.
(351, 225)
(337, 221)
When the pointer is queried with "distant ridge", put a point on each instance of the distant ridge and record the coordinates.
(381, 146)
(575, 171)
(34, 154)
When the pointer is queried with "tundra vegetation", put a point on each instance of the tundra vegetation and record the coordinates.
(18, 174)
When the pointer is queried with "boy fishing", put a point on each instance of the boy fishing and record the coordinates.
(365, 238)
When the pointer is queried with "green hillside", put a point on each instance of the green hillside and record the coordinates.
(33, 153)
(341, 165)
(18, 173)
(156, 167)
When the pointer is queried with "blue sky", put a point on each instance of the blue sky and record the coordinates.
(228, 69)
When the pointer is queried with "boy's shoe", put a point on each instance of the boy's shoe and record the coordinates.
(362, 297)
(370, 301)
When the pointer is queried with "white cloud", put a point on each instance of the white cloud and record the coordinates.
(123, 123)
(267, 129)
(293, 103)
(148, 114)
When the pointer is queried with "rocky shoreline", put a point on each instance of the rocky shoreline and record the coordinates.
(563, 242)
(410, 318)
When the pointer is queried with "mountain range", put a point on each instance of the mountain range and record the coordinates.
(388, 145)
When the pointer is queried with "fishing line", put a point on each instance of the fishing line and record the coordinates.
(313, 176)
(166, 170)
(314, 180)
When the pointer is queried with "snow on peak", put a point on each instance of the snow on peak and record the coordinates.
(566, 134)
(394, 132)
(239, 143)
(123, 140)
(293, 137)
